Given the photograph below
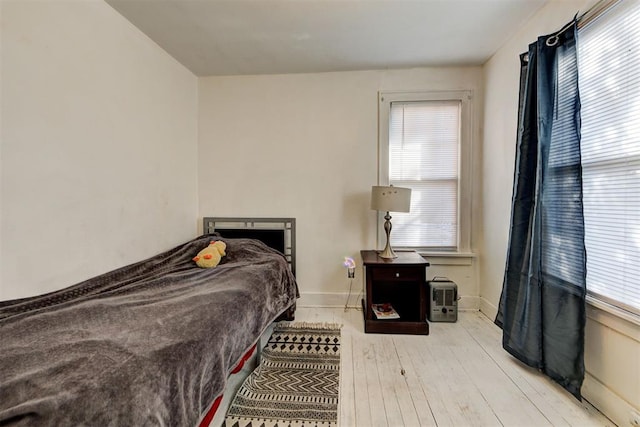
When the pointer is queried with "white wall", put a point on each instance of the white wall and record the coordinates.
(99, 145)
(1, 138)
(612, 344)
(305, 146)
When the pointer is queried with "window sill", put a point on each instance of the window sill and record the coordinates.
(615, 318)
(448, 258)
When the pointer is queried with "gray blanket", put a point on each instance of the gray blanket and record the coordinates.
(148, 344)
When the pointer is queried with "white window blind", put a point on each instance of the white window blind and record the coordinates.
(609, 79)
(424, 144)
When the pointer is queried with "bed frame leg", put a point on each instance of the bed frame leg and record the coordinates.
(289, 315)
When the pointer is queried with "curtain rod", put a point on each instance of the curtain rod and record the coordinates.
(596, 10)
(593, 12)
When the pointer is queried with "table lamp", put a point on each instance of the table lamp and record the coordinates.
(390, 199)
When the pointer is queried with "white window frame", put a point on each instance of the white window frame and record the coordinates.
(607, 303)
(465, 97)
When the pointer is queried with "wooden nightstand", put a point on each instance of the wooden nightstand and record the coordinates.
(400, 282)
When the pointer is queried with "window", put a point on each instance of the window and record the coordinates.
(424, 145)
(609, 80)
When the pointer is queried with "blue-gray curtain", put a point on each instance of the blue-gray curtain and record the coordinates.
(542, 306)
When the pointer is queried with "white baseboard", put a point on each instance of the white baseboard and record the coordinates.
(468, 303)
(328, 299)
(488, 309)
(606, 401)
(595, 392)
(338, 299)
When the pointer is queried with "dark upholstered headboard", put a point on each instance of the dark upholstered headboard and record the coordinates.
(277, 233)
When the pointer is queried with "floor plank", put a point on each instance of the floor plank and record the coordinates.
(347, 414)
(458, 375)
(464, 403)
(421, 405)
(559, 407)
(398, 404)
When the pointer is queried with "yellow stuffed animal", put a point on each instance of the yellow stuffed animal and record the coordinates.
(210, 256)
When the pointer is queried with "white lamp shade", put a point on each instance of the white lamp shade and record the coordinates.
(390, 199)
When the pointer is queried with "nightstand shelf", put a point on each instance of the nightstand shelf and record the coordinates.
(400, 282)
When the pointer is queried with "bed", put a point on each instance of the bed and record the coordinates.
(151, 343)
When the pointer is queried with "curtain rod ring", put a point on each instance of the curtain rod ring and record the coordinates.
(552, 41)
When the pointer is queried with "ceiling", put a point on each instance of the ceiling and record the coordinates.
(233, 37)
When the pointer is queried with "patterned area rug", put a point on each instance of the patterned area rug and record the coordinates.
(296, 383)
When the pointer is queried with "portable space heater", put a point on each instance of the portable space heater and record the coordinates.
(443, 300)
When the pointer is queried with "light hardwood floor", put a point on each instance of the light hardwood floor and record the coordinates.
(458, 375)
